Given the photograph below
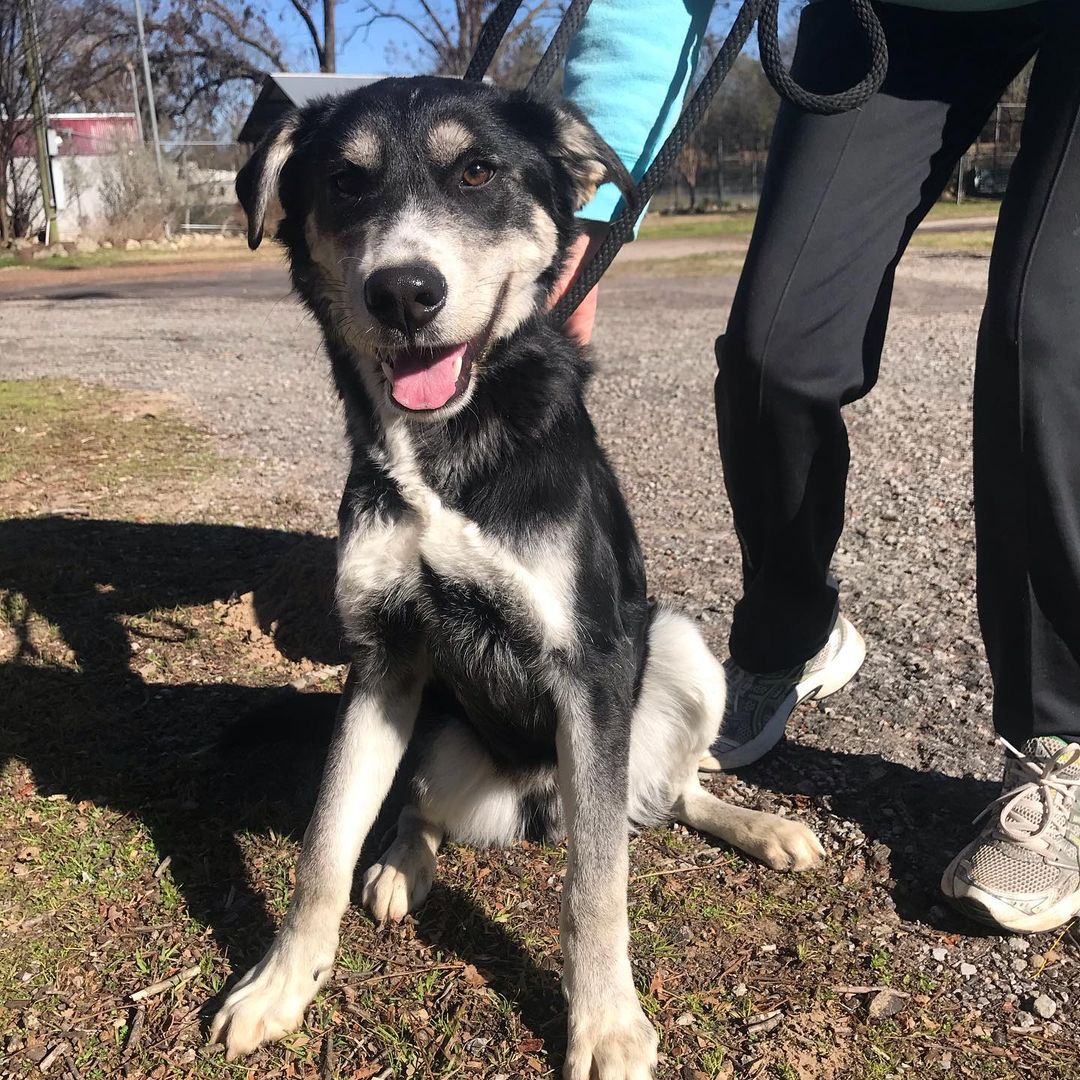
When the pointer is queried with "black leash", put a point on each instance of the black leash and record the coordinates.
(765, 14)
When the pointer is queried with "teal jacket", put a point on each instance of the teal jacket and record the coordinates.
(629, 67)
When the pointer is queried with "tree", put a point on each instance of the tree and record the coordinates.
(206, 53)
(326, 45)
(743, 111)
(67, 30)
(688, 165)
(445, 35)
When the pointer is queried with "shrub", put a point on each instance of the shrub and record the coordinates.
(135, 200)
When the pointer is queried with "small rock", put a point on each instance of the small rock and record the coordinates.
(885, 1003)
(967, 970)
(1045, 1006)
(1018, 944)
(1019, 965)
(940, 955)
(740, 991)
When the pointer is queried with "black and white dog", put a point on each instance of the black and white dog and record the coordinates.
(490, 583)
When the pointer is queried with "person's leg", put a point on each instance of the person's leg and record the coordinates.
(1027, 414)
(1022, 873)
(842, 196)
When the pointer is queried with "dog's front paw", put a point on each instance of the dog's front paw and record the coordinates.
(267, 1003)
(787, 845)
(612, 1042)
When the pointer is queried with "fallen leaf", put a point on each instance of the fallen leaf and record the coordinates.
(473, 977)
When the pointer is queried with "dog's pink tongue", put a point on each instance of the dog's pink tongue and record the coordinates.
(426, 378)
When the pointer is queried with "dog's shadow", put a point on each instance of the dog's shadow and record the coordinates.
(200, 762)
(916, 820)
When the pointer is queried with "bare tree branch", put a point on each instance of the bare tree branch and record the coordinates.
(313, 30)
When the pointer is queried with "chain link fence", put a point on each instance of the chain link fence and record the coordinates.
(727, 182)
(732, 180)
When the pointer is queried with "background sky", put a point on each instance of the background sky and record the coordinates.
(382, 48)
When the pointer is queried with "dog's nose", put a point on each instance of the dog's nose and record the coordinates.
(405, 298)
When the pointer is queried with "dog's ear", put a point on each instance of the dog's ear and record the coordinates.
(587, 158)
(257, 181)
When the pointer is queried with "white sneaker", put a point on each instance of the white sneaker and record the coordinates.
(1022, 872)
(758, 706)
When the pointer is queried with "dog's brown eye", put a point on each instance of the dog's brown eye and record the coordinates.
(477, 174)
(347, 183)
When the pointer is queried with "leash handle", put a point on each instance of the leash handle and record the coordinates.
(823, 104)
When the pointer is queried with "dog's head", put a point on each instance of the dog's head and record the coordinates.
(426, 219)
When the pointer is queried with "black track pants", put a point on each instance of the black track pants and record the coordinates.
(842, 196)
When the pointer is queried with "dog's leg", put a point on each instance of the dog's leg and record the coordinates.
(401, 880)
(610, 1037)
(678, 711)
(777, 842)
(374, 725)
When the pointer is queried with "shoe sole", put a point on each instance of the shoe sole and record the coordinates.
(987, 909)
(821, 684)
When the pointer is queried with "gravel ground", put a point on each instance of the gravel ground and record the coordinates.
(253, 371)
(895, 766)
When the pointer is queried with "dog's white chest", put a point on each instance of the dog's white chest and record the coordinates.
(381, 561)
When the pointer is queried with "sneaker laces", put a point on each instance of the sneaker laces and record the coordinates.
(1047, 785)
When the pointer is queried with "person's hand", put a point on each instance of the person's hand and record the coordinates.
(579, 326)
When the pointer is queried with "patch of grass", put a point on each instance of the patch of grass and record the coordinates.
(64, 444)
(234, 249)
(678, 226)
(741, 222)
(724, 262)
(975, 242)
(969, 208)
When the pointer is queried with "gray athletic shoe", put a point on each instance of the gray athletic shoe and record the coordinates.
(758, 706)
(1022, 872)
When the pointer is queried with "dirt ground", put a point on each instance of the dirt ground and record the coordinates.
(170, 461)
